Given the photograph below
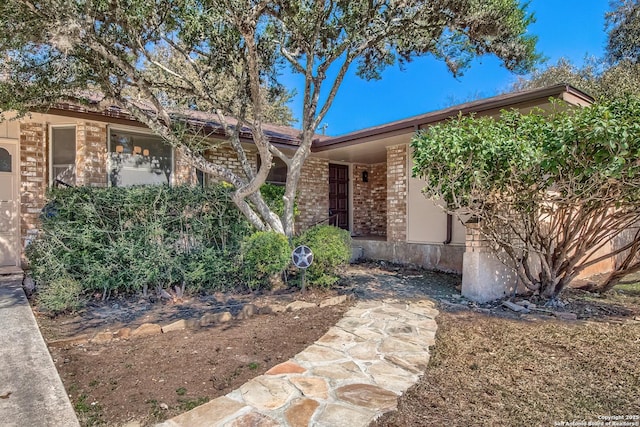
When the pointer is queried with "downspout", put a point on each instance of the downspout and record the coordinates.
(449, 229)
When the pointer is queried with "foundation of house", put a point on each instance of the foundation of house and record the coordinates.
(447, 258)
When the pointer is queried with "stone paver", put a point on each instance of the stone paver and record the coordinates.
(350, 376)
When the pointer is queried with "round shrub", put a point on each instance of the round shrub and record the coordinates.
(331, 248)
(264, 254)
(63, 293)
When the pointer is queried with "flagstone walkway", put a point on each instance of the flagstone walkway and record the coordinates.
(350, 376)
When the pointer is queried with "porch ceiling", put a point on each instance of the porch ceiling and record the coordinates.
(371, 152)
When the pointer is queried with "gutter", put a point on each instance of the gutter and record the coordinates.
(497, 102)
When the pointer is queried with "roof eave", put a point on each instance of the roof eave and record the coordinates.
(497, 102)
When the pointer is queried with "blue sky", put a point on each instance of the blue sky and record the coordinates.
(565, 28)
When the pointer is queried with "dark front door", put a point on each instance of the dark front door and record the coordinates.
(339, 195)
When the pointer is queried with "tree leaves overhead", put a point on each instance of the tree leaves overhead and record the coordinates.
(623, 23)
(226, 57)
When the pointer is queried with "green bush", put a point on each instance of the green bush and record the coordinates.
(64, 293)
(264, 254)
(130, 239)
(331, 248)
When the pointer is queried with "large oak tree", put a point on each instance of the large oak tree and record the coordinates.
(157, 58)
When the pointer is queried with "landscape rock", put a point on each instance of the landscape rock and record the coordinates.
(299, 305)
(224, 317)
(178, 325)
(300, 412)
(526, 304)
(248, 310)
(29, 285)
(147, 329)
(102, 338)
(515, 307)
(565, 315)
(274, 308)
(122, 333)
(208, 319)
(65, 342)
(333, 301)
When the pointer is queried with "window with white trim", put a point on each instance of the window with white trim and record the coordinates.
(62, 156)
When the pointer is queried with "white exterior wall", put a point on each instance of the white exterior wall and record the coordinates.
(426, 221)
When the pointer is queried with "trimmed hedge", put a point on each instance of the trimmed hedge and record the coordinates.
(331, 248)
(264, 254)
(131, 239)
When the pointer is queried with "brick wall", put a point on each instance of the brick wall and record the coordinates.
(33, 173)
(183, 172)
(397, 173)
(369, 200)
(313, 193)
(474, 240)
(91, 154)
(226, 156)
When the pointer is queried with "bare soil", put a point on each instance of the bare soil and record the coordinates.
(151, 378)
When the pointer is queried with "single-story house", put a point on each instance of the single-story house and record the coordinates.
(362, 178)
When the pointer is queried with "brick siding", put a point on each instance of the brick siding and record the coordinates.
(313, 193)
(370, 200)
(33, 173)
(397, 173)
(91, 154)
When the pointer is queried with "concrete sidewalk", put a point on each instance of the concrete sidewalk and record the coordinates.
(31, 392)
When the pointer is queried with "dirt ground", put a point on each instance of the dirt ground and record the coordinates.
(152, 378)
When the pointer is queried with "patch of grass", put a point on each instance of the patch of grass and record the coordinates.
(89, 414)
(253, 366)
(189, 404)
(494, 371)
(181, 391)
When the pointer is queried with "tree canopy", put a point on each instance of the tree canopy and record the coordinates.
(155, 57)
(550, 191)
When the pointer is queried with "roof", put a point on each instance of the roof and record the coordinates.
(415, 122)
(289, 137)
(207, 122)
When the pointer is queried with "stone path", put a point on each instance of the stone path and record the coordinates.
(350, 376)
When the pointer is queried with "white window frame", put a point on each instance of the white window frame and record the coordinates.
(73, 126)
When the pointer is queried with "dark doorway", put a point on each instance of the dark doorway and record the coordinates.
(339, 195)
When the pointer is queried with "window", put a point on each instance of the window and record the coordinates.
(5, 160)
(138, 159)
(277, 173)
(63, 155)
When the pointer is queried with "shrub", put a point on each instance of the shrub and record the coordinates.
(128, 239)
(331, 248)
(264, 254)
(64, 293)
